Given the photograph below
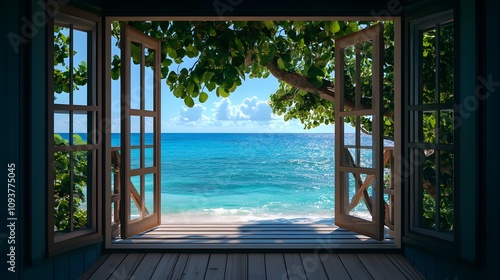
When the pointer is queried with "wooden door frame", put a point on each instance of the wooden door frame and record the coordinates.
(398, 118)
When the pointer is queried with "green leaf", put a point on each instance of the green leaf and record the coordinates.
(334, 27)
(222, 92)
(281, 64)
(191, 51)
(207, 76)
(203, 97)
(315, 71)
(172, 53)
(315, 81)
(269, 24)
(189, 101)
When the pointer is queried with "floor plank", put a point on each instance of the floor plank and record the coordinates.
(94, 267)
(294, 267)
(404, 266)
(216, 267)
(313, 266)
(108, 266)
(196, 267)
(165, 268)
(380, 267)
(354, 266)
(241, 266)
(179, 267)
(147, 267)
(251, 236)
(275, 266)
(334, 268)
(128, 266)
(237, 266)
(256, 267)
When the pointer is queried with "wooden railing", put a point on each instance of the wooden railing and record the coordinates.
(363, 185)
(389, 189)
(115, 192)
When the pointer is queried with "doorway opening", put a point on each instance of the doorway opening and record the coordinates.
(145, 138)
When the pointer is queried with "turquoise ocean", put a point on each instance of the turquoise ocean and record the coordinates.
(219, 177)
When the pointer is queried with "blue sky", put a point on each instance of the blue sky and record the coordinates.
(245, 111)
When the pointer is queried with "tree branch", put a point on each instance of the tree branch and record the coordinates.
(299, 81)
(326, 91)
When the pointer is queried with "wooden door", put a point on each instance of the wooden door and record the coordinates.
(359, 204)
(140, 132)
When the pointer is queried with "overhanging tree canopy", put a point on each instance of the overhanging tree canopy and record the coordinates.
(300, 54)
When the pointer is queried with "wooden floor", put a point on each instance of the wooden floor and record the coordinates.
(259, 266)
(251, 236)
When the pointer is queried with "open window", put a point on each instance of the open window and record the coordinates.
(74, 150)
(356, 180)
(140, 113)
(432, 128)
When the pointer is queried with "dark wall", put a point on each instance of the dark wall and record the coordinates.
(23, 90)
(479, 82)
(23, 95)
(12, 55)
(248, 7)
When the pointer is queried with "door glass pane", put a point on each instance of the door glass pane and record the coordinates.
(149, 125)
(135, 159)
(61, 64)
(446, 126)
(135, 129)
(149, 182)
(62, 183)
(349, 76)
(135, 198)
(429, 189)
(80, 128)
(367, 158)
(446, 181)
(366, 74)
(81, 94)
(428, 66)
(61, 129)
(135, 75)
(360, 193)
(429, 127)
(350, 157)
(149, 136)
(446, 64)
(82, 176)
(149, 157)
(149, 79)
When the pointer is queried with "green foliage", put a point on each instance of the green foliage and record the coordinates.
(441, 93)
(224, 53)
(61, 64)
(63, 187)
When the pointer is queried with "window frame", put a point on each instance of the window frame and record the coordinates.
(434, 241)
(78, 20)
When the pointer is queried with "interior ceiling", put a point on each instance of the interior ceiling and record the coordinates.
(228, 8)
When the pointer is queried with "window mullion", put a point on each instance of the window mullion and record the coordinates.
(71, 155)
(437, 39)
(438, 191)
(71, 65)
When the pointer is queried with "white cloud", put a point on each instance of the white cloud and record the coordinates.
(251, 115)
(251, 109)
(191, 114)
